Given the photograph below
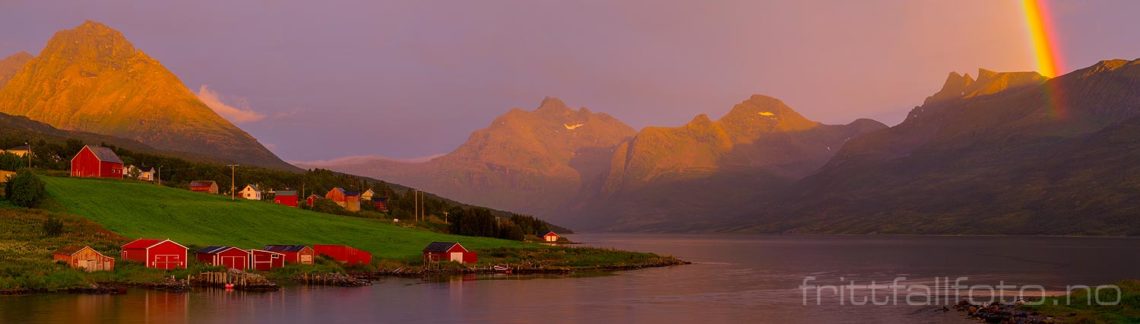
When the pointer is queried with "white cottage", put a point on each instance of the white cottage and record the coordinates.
(250, 192)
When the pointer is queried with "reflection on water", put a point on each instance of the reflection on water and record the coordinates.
(734, 279)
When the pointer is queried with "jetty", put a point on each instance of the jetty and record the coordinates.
(232, 279)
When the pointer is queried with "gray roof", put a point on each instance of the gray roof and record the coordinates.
(284, 248)
(214, 249)
(439, 246)
(105, 154)
(287, 193)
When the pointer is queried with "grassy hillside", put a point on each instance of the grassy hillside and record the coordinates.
(143, 210)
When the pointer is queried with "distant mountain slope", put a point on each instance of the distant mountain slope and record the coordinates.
(700, 173)
(525, 161)
(20, 129)
(761, 134)
(92, 79)
(591, 171)
(1024, 157)
(12, 64)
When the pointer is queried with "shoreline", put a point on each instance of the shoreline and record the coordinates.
(338, 279)
(802, 234)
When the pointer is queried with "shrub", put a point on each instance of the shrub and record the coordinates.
(25, 189)
(53, 226)
(9, 161)
(329, 207)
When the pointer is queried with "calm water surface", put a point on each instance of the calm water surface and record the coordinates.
(749, 279)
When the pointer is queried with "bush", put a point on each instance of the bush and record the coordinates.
(25, 189)
(9, 161)
(53, 226)
(327, 206)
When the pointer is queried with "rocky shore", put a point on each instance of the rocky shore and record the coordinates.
(1002, 313)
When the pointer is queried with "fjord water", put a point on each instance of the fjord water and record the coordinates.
(734, 278)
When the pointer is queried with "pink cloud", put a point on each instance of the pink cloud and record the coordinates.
(237, 115)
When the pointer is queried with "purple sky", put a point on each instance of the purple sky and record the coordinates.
(327, 79)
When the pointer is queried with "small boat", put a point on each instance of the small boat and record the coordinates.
(501, 268)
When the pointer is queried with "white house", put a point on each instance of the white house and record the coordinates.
(250, 192)
(21, 151)
(147, 175)
(144, 175)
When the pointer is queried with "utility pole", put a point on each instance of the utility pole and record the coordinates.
(159, 175)
(233, 189)
(416, 204)
(29, 145)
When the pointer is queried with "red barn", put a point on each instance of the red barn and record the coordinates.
(155, 253)
(262, 260)
(204, 186)
(287, 198)
(96, 162)
(448, 251)
(344, 254)
(294, 253)
(225, 256)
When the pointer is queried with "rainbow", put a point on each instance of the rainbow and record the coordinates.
(1038, 22)
(1041, 32)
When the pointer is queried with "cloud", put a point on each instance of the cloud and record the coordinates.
(237, 115)
(358, 159)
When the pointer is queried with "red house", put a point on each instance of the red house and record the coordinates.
(550, 237)
(350, 200)
(287, 198)
(225, 256)
(312, 199)
(294, 253)
(448, 251)
(96, 162)
(344, 254)
(262, 260)
(381, 204)
(155, 253)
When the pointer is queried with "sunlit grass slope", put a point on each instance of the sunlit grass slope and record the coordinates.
(144, 210)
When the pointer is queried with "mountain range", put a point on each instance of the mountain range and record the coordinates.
(527, 161)
(91, 79)
(594, 171)
(1008, 153)
(1002, 153)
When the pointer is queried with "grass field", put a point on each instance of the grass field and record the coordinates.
(135, 209)
(1078, 308)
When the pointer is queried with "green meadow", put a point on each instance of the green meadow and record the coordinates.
(134, 209)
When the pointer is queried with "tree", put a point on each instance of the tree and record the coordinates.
(511, 231)
(25, 189)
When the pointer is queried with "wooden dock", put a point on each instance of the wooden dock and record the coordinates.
(233, 279)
